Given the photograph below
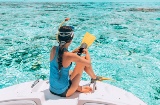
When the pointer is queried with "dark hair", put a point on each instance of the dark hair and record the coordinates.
(66, 39)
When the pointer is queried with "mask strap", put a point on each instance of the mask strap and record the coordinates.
(62, 43)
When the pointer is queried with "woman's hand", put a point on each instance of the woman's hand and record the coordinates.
(85, 51)
(75, 50)
(86, 89)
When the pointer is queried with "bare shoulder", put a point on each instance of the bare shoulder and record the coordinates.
(53, 48)
(52, 52)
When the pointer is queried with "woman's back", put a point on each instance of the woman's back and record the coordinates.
(58, 78)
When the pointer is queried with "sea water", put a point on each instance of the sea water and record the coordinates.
(126, 49)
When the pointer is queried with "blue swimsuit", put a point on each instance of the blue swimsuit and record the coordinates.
(59, 83)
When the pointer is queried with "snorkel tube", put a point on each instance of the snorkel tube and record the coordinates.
(66, 19)
(83, 45)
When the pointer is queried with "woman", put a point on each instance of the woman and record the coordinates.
(61, 83)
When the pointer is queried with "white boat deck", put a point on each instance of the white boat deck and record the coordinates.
(105, 94)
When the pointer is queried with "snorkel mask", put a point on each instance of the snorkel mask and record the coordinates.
(65, 33)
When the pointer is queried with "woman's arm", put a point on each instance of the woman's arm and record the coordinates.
(87, 54)
(75, 58)
(75, 50)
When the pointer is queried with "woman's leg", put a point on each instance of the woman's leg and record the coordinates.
(90, 72)
(75, 78)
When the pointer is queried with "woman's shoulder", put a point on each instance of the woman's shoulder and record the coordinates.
(53, 48)
(52, 52)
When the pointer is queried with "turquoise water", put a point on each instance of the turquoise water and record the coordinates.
(127, 47)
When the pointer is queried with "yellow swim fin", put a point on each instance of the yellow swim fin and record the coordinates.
(88, 39)
(104, 78)
(100, 78)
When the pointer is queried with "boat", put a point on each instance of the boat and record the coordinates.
(37, 93)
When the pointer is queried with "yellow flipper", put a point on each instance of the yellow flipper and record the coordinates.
(104, 78)
(88, 39)
(100, 78)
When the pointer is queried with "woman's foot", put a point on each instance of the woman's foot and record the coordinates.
(98, 78)
(85, 89)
